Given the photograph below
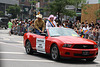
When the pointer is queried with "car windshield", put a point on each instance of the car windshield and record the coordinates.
(56, 31)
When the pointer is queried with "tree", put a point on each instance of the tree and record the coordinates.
(13, 10)
(97, 13)
(2, 13)
(33, 8)
(58, 6)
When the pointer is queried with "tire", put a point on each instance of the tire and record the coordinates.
(90, 59)
(5, 27)
(55, 53)
(28, 48)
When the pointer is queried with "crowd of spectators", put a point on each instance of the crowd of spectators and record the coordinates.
(85, 29)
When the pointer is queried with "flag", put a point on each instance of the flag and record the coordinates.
(86, 31)
(82, 30)
(83, 36)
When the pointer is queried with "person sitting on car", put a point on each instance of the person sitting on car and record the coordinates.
(39, 24)
(51, 22)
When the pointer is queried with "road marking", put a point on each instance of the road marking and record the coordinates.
(25, 60)
(3, 43)
(6, 39)
(20, 41)
(15, 45)
(11, 53)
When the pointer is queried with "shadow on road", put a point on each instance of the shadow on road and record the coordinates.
(64, 60)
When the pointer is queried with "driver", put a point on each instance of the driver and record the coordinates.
(39, 24)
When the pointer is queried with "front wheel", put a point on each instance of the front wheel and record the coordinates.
(55, 52)
(28, 48)
(5, 27)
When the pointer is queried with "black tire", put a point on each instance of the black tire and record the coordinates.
(55, 53)
(90, 59)
(28, 48)
(5, 27)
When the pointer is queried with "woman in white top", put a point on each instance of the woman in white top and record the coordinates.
(50, 22)
(85, 28)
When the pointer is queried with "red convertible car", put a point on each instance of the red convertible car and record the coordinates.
(61, 42)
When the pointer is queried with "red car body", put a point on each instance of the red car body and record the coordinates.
(75, 51)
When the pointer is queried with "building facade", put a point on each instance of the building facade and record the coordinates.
(4, 4)
(25, 8)
(92, 7)
(92, 1)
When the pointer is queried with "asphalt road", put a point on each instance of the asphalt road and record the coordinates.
(12, 54)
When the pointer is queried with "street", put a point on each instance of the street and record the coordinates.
(12, 54)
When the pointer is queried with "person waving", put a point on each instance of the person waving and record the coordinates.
(51, 22)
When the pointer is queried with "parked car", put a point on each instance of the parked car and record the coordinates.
(61, 42)
(4, 22)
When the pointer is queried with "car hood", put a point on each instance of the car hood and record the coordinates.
(74, 40)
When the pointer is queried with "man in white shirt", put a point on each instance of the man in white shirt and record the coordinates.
(50, 22)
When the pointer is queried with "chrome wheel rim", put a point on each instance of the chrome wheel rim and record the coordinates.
(54, 53)
(28, 47)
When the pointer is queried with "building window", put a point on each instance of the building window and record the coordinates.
(45, 0)
(22, 0)
(51, 0)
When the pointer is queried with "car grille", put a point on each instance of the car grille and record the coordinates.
(81, 46)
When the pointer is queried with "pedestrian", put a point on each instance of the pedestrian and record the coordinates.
(39, 24)
(99, 37)
(78, 24)
(85, 28)
(51, 22)
(10, 27)
(92, 24)
(31, 27)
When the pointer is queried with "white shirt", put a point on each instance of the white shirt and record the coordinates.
(49, 25)
(85, 28)
(88, 28)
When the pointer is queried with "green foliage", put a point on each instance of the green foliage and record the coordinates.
(13, 10)
(59, 6)
(97, 13)
(85, 7)
(85, 12)
(1, 13)
(33, 1)
(77, 2)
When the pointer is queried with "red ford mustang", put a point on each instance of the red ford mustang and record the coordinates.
(61, 42)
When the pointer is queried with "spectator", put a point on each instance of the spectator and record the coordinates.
(85, 27)
(99, 37)
(78, 24)
(92, 24)
(10, 27)
(31, 28)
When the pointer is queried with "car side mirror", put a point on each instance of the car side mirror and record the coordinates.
(44, 34)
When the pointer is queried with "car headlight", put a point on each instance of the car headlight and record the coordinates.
(95, 46)
(67, 45)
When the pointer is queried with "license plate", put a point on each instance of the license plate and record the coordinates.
(85, 52)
